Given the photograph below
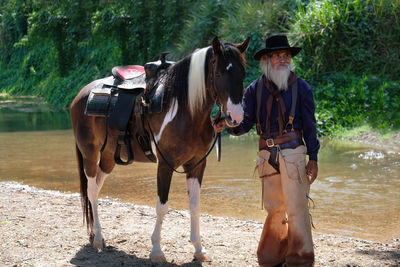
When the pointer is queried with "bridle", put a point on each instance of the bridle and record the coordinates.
(212, 69)
(213, 74)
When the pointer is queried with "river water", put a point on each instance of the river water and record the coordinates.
(356, 194)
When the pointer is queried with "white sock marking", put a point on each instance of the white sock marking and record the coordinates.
(193, 188)
(93, 188)
(161, 210)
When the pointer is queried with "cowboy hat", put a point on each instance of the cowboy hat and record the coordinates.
(275, 43)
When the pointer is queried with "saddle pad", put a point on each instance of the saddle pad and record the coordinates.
(134, 83)
(128, 72)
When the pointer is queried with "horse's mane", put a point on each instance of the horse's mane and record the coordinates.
(186, 79)
(197, 83)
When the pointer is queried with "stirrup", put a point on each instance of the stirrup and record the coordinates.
(123, 140)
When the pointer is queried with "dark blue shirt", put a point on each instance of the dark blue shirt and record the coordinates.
(304, 118)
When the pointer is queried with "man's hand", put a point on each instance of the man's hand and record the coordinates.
(312, 170)
(218, 127)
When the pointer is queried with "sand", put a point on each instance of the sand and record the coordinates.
(45, 228)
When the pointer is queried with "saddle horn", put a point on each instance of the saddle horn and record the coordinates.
(163, 57)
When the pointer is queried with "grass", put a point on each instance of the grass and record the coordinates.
(381, 135)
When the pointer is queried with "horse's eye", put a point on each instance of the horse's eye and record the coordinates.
(218, 74)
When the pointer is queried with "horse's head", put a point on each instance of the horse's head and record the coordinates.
(229, 69)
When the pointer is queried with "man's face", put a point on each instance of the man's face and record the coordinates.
(277, 67)
(277, 57)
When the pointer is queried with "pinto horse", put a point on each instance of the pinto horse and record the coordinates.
(182, 134)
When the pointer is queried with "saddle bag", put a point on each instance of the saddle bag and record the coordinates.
(101, 101)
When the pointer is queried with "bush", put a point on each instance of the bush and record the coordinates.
(351, 101)
(257, 20)
(358, 37)
(200, 27)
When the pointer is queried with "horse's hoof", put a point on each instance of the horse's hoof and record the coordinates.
(202, 256)
(157, 257)
(97, 243)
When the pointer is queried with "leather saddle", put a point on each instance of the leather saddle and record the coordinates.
(127, 77)
(126, 97)
(103, 98)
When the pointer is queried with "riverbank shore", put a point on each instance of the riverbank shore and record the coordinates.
(44, 228)
(389, 141)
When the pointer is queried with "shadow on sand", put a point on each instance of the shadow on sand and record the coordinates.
(110, 256)
(392, 255)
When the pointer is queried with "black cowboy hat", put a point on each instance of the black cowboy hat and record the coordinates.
(275, 43)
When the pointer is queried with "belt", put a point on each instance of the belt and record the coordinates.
(288, 140)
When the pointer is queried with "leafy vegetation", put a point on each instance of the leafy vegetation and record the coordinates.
(351, 48)
(351, 56)
(345, 101)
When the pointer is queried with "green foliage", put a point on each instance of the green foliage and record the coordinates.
(65, 23)
(13, 23)
(67, 44)
(115, 21)
(257, 20)
(355, 37)
(351, 101)
(201, 26)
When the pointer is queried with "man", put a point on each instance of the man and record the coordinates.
(282, 107)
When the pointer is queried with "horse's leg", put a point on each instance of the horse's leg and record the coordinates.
(164, 175)
(193, 181)
(95, 183)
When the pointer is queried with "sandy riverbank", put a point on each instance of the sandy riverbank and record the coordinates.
(389, 142)
(44, 228)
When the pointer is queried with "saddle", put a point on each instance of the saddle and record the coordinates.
(126, 97)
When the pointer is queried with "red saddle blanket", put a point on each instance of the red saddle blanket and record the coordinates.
(128, 72)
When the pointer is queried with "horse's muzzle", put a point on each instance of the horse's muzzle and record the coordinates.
(230, 122)
(234, 114)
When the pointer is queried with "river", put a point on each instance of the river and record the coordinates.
(356, 194)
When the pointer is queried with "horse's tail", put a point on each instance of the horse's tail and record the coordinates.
(86, 206)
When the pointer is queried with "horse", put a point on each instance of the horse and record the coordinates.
(181, 134)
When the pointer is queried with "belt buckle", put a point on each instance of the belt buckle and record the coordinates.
(270, 142)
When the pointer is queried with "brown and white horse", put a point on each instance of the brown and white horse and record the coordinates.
(182, 131)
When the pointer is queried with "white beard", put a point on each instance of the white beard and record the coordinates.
(278, 77)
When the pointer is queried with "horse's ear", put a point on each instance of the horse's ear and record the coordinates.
(243, 46)
(216, 45)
